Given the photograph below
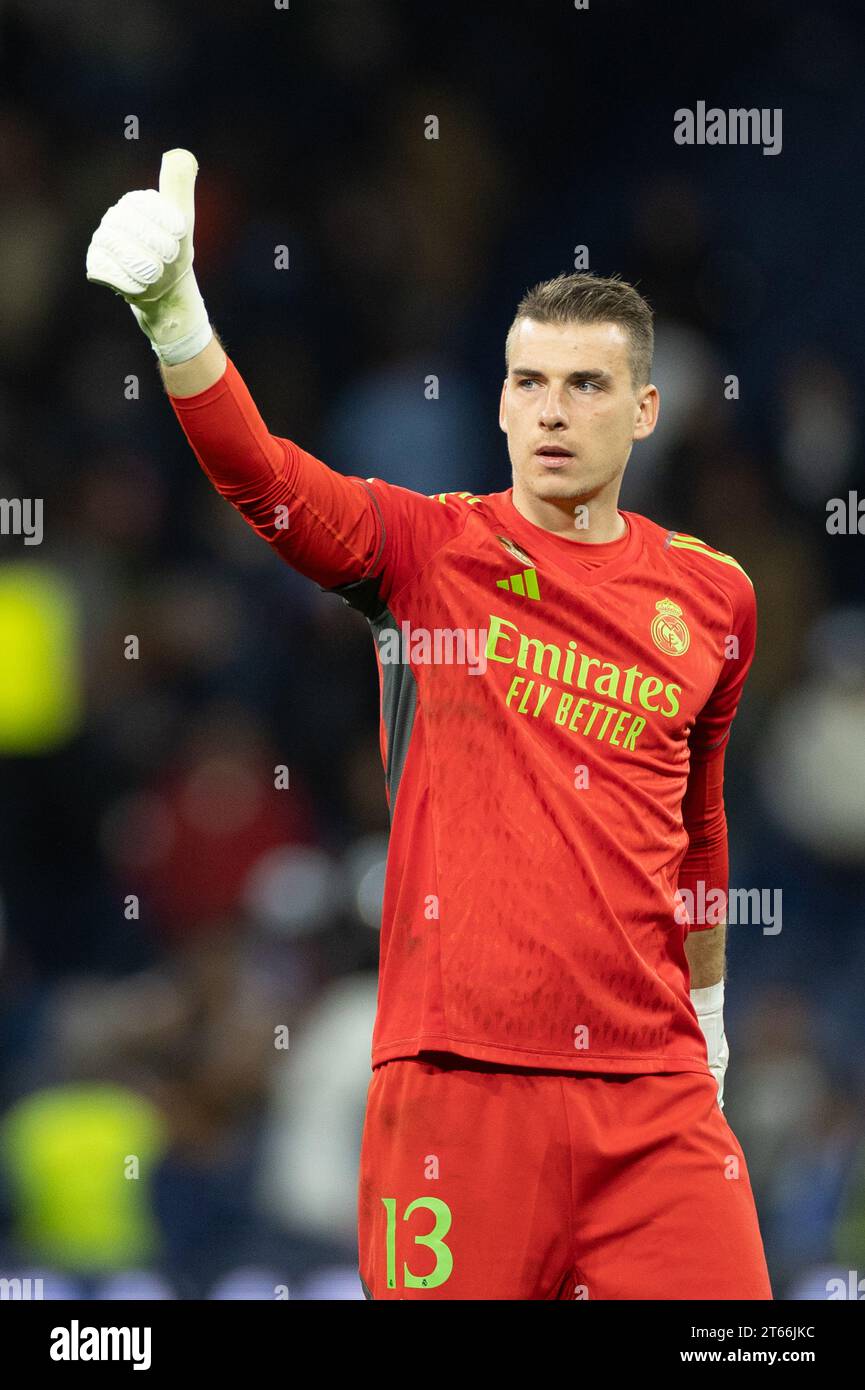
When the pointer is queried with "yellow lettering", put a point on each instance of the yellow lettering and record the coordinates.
(585, 663)
(539, 648)
(636, 728)
(493, 633)
(618, 727)
(523, 705)
(565, 702)
(595, 708)
(543, 695)
(650, 686)
(672, 691)
(609, 684)
(602, 730)
(630, 676)
(577, 715)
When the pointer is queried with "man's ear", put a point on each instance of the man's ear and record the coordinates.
(650, 405)
(502, 425)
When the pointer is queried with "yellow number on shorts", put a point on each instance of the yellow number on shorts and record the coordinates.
(434, 1239)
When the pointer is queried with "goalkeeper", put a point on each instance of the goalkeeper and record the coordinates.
(544, 1010)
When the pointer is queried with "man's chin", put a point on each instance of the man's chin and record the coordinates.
(557, 486)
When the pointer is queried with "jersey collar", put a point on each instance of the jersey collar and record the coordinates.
(560, 552)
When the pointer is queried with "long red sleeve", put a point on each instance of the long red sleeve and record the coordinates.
(706, 859)
(322, 523)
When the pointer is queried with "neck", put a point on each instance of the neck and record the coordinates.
(592, 520)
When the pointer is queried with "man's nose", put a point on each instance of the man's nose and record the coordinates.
(552, 412)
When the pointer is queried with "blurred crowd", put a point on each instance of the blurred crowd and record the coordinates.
(188, 941)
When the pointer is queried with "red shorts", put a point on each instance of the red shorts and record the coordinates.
(482, 1183)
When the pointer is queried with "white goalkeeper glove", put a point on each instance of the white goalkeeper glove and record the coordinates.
(142, 249)
(709, 1004)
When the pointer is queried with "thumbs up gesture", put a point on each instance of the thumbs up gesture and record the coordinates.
(143, 250)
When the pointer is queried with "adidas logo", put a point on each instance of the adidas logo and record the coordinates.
(525, 583)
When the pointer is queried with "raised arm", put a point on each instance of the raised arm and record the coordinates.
(201, 371)
(328, 526)
(339, 531)
(143, 250)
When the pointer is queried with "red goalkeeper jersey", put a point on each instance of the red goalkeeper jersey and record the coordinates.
(542, 705)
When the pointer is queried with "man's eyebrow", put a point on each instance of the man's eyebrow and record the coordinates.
(586, 374)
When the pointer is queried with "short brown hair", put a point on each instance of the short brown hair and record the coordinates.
(588, 298)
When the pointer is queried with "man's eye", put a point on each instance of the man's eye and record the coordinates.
(594, 385)
(527, 381)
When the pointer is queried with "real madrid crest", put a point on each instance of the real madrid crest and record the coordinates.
(669, 632)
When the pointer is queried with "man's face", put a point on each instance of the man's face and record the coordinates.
(570, 410)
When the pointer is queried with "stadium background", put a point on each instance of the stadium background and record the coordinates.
(154, 776)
